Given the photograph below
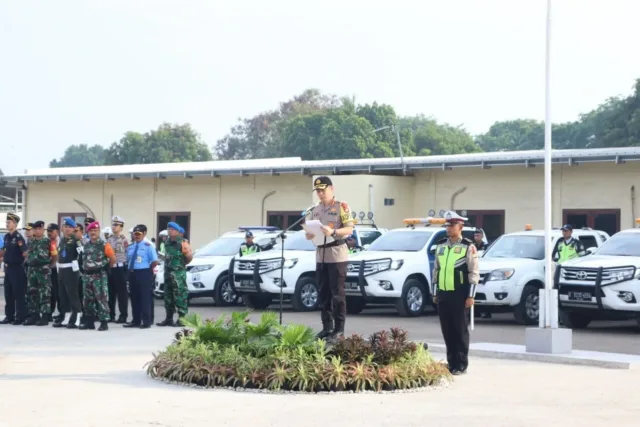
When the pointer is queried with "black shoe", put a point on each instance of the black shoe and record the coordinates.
(71, 325)
(335, 337)
(104, 326)
(43, 321)
(131, 325)
(89, 323)
(31, 321)
(145, 326)
(6, 321)
(324, 334)
(178, 323)
(166, 322)
(17, 322)
(121, 319)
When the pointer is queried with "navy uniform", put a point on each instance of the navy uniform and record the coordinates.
(141, 258)
(248, 247)
(15, 278)
(455, 277)
(53, 234)
(118, 273)
(331, 261)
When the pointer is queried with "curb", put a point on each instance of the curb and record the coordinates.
(577, 357)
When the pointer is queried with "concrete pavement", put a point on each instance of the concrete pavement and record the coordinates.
(94, 379)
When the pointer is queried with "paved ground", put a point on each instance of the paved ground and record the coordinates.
(94, 379)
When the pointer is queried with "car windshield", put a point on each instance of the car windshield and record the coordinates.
(220, 247)
(621, 244)
(406, 241)
(516, 246)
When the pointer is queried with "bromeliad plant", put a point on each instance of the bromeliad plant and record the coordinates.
(233, 352)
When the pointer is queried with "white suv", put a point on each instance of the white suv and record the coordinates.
(512, 272)
(603, 286)
(396, 269)
(207, 273)
(299, 274)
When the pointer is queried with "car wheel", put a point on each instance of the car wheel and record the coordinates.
(305, 297)
(528, 310)
(355, 305)
(413, 298)
(223, 292)
(258, 301)
(574, 320)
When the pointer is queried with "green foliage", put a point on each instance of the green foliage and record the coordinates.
(80, 155)
(234, 352)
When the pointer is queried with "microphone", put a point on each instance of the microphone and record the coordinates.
(309, 209)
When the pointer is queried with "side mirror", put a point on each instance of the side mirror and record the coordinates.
(591, 250)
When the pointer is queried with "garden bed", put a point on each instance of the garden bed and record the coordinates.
(235, 353)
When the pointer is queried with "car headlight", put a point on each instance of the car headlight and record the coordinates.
(199, 268)
(500, 274)
(395, 265)
(623, 274)
(290, 263)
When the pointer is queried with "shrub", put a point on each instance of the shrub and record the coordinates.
(233, 352)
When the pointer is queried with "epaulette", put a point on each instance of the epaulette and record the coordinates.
(442, 241)
(467, 241)
(147, 243)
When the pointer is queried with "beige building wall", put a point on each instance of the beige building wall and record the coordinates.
(221, 204)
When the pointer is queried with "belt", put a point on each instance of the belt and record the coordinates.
(334, 244)
(119, 264)
(65, 265)
(141, 269)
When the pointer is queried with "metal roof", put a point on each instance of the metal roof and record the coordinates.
(295, 165)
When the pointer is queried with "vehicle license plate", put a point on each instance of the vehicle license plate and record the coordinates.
(195, 277)
(352, 286)
(580, 296)
(246, 283)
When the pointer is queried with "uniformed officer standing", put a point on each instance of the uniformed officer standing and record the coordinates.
(331, 258)
(54, 237)
(455, 277)
(15, 279)
(567, 248)
(118, 273)
(163, 240)
(248, 247)
(42, 254)
(85, 237)
(142, 258)
(352, 244)
(69, 274)
(478, 235)
(28, 232)
(177, 255)
(96, 258)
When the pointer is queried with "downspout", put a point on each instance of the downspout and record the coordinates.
(633, 206)
(24, 203)
(371, 204)
(456, 194)
(269, 194)
(111, 216)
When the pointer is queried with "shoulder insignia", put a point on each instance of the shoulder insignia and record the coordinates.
(344, 206)
(442, 241)
(147, 243)
(467, 241)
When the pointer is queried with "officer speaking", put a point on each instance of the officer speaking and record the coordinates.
(455, 277)
(331, 258)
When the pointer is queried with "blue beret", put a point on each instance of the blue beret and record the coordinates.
(69, 222)
(176, 227)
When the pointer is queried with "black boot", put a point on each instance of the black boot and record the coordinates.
(89, 323)
(6, 321)
(44, 320)
(337, 333)
(57, 322)
(72, 321)
(104, 326)
(31, 320)
(327, 329)
(178, 323)
(166, 322)
(122, 319)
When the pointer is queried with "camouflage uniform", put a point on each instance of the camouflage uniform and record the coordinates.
(175, 279)
(41, 252)
(94, 280)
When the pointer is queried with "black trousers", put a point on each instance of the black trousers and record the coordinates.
(118, 292)
(55, 297)
(15, 288)
(332, 301)
(69, 299)
(454, 324)
(141, 284)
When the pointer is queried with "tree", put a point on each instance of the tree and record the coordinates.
(80, 155)
(169, 143)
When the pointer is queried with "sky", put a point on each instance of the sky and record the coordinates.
(82, 71)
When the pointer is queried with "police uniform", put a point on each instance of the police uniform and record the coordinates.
(15, 278)
(69, 275)
(331, 263)
(248, 248)
(455, 277)
(141, 258)
(55, 291)
(564, 250)
(118, 274)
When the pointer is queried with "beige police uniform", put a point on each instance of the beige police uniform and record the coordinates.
(331, 265)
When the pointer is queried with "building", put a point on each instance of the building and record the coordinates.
(501, 192)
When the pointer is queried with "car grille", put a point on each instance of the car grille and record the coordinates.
(354, 267)
(246, 265)
(584, 275)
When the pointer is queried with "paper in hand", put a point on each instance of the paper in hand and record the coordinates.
(313, 226)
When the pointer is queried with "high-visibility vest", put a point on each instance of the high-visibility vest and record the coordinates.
(567, 251)
(248, 250)
(454, 272)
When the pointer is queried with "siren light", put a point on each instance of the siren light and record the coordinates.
(528, 227)
(426, 221)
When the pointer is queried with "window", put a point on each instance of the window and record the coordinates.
(77, 217)
(598, 219)
(225, 246)
(409, 241)
(298, 242)
(588, 242)
(389, 202)
(284, 219)
(492, 222)
(622, 244)
(367, 237)
(517, 246)
(183, 219)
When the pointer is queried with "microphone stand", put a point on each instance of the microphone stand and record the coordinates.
(282, 236)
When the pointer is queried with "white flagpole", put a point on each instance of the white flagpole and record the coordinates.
(548, 277)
